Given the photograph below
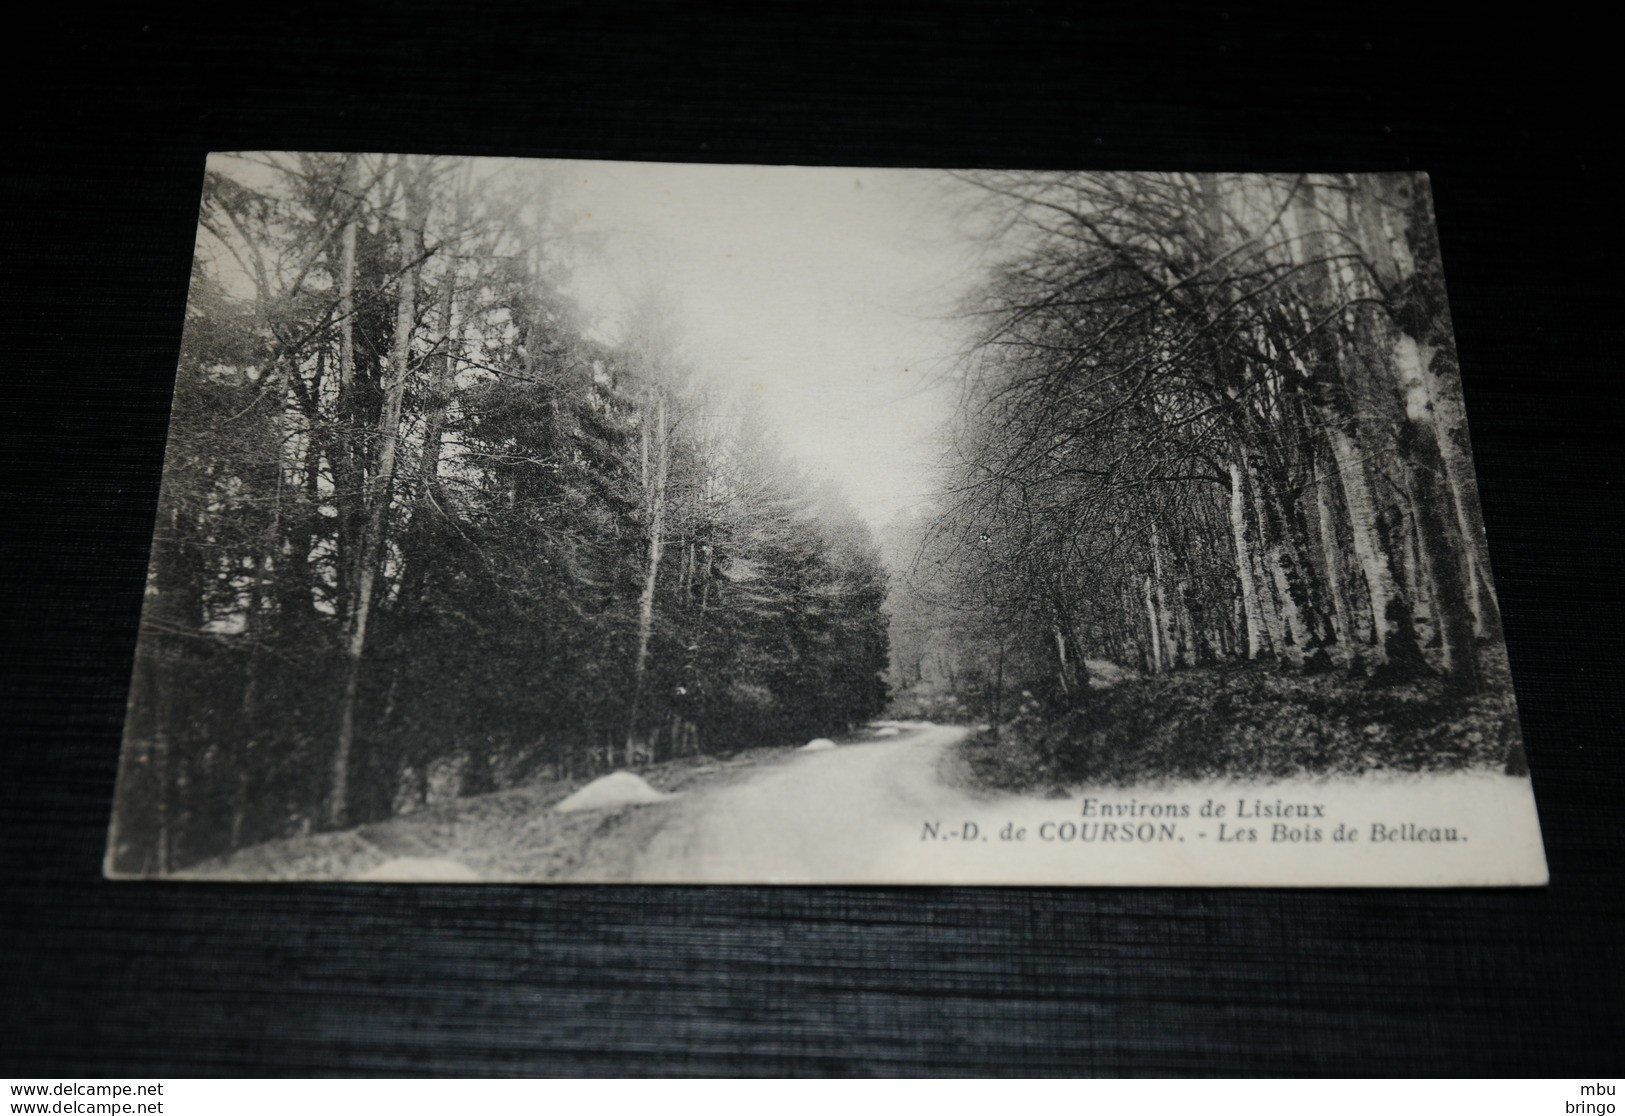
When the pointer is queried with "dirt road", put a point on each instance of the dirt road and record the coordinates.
(848, 815)
(894, 810)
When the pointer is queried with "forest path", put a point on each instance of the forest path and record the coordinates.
(848, 815)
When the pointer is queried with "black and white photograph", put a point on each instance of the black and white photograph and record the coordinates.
(1071, 545)
(596, 522)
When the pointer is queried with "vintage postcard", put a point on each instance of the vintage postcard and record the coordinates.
(614, 522)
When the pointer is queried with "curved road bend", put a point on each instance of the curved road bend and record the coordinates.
(850, 815)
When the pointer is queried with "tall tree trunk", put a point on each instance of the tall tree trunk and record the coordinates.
(646, 600)
(163, 755)
(243, 762)
(1293, 641)
(295, 578)
(1404, 540)
(1449, 422)
(1074, 671)
(1450, 432)
(1436, 425)
(152, 689)
(1244, 565)
(1444, 555)
(1368, 547)
(174, 610)
(444, 386)
(378, 499)
(256, 630)
(1331, 281)
(1332, 560)
(349, 471)
(1480, 593)
(1154, 623)
(1169, 630)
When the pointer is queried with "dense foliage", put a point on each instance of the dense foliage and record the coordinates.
(1209, 420)
(419, 527)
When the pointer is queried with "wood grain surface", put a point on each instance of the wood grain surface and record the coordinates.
(108, 120)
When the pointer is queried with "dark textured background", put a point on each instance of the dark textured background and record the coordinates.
(108, 117)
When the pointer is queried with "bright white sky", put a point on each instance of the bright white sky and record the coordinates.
(826, 292)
